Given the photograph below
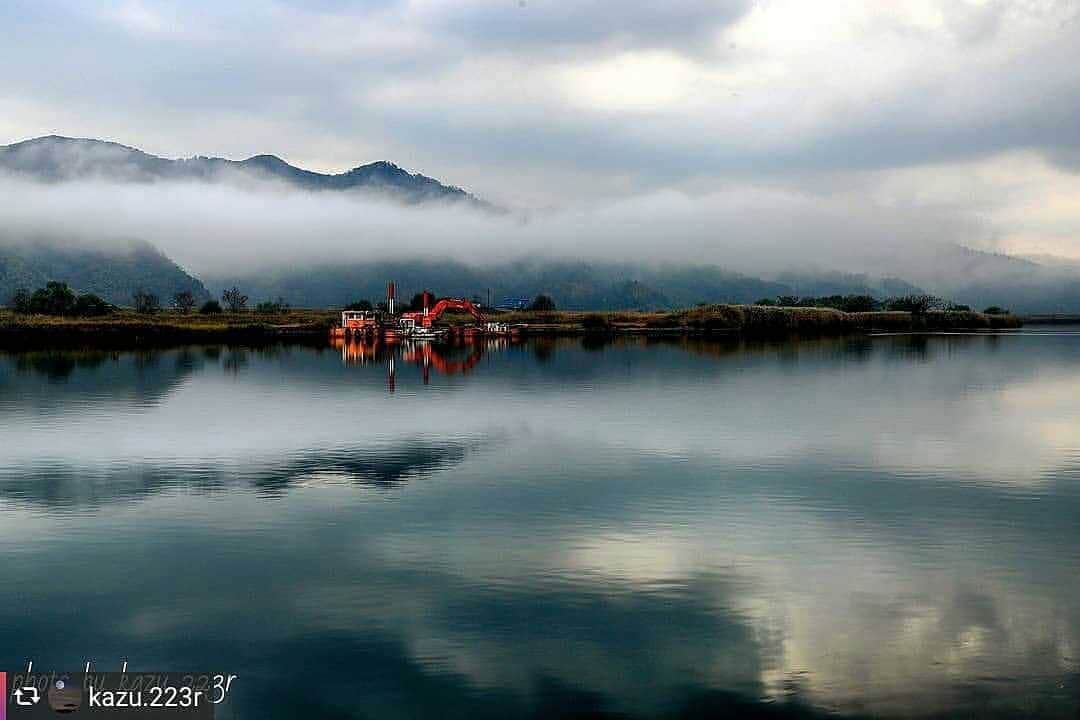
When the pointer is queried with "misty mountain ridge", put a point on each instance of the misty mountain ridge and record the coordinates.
(55, 158)
(573, 284)
(113, 271)
(949, 269)
(981, 278)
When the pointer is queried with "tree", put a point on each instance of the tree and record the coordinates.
(595, 322)
(184, 301)
(417, 302)
(995, 310)
(542, 303)
(359, 305)
(210, 307)
(56, 298)
(916, 304)
(857, 303)
(90, 305)
(271, 307)
(20, 301)
(767, 302)
(145, 302)
(234, 299)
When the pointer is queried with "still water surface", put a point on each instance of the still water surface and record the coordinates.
(883, 526)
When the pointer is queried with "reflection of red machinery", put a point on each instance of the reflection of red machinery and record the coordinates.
(368, 350)
(428, 356)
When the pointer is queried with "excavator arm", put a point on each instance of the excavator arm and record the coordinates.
(448, 304)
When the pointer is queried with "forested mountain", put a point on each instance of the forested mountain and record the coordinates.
(573, 284)
(951, 270)
(113, 271)
(56, 159)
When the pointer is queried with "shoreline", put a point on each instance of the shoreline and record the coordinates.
(313, 326)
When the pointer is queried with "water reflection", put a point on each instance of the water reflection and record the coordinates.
(639, 528)
(59, 488)
(457, 356)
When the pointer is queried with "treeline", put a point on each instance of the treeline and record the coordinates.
(58, 299)
(914, 304)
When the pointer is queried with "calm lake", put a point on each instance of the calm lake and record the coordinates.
(874, 526)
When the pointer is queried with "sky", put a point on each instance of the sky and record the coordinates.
(958, 109)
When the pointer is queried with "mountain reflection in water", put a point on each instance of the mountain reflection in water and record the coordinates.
(854, 527)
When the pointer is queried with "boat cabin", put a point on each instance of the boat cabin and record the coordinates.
(358, 320)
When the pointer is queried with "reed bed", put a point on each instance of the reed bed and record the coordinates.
(748, 320)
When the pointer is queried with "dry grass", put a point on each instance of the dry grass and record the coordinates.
(127, 328)
(749, 320)
(193, 321)
(758, 319)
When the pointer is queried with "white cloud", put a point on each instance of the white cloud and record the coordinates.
(571, 104)
(138, 18)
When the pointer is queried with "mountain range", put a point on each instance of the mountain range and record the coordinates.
(114, 270)
(58, 159)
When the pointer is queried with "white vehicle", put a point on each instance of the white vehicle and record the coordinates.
(409, 328)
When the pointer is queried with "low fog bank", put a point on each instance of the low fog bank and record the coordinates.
(221, 229)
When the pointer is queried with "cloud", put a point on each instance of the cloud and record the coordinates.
(544, 24)
(214, 228)
(579, 104)
(618, 583)
(484, 91)
(136, 17)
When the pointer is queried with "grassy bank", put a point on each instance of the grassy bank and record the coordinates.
(165, 328)
(756, 320)
(129, 328)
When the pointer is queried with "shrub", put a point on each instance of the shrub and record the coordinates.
(145, 302)
(20, 301)
(184, 301)
(210, 307)
(595, 322)
(857, 303)
(90, 305)
(916, 304)
(272, 306)
(542, 303)
(56, 298)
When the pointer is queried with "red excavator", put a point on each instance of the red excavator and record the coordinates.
(418, 324)
(426, 318)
